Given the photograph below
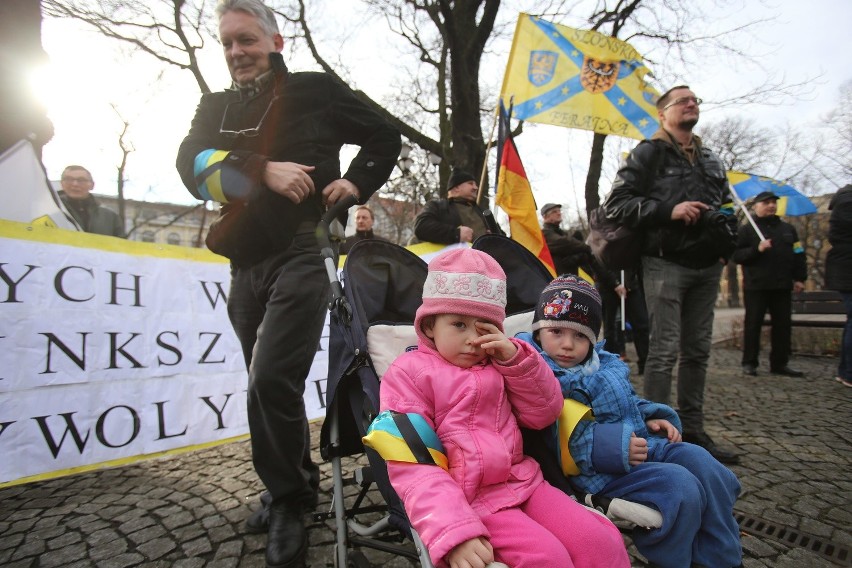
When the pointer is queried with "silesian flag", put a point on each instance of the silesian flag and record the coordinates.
(579, 79)
(791, 202)
(514, 196)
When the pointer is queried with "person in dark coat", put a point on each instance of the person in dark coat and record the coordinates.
(77, 184)
(838, 271)
(457, 219)
(363, 229)
(268, 149)
(568, 252)
(673, 190)
(773, 268)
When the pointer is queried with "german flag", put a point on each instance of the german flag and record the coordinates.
(515, 197)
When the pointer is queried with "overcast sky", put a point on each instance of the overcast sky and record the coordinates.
(89, 73)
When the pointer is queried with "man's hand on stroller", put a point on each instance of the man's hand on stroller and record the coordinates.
(473, 553)
(494, 341)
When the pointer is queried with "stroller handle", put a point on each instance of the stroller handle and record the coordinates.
(333, 212)
(338, 302)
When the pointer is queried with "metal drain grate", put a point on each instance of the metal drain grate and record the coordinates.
(837, 553)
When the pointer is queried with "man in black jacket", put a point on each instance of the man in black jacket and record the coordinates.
(674, 190)
(457, 219)
(268, 149)
(363, 229)
(567, 251)
(77, 184)
(838, 272)
(772, 267)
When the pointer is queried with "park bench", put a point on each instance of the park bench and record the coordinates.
(817, 308)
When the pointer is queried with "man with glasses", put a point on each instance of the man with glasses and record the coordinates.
(268, 150)
(674, 190)
(77, 185)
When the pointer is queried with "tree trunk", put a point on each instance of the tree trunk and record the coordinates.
(733, 285)
(593, 177)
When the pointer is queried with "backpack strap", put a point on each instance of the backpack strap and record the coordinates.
(657, 157)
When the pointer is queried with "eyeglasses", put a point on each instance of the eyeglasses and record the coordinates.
(247, 132)
(69, 179)
(683, 100)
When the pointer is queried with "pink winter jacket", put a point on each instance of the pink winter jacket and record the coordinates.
(476, 413)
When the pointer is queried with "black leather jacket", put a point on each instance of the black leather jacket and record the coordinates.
(313, 116)
(649, 207)
(838, 261)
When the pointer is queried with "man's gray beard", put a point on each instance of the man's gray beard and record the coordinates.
(688, 124)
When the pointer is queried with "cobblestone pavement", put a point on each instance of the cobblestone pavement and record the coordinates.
(188, 510)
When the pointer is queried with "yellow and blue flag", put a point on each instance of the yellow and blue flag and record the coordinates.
(791, 202)
(579, 79)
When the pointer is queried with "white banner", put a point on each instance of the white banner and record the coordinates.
(111, 351)
(25, 193)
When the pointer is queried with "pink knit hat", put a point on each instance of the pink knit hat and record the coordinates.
(467, 282)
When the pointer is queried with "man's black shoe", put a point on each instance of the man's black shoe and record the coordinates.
(258, 522)
(787, 372)
(750, 370)
(287, 541)
(703, 440)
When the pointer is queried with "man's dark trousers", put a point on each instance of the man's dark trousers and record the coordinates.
(278, 320)
(757, 302)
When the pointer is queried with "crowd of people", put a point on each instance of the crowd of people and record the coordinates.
(671, 188)
(474, 386)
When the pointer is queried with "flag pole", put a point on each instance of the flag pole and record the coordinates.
(741, 203)
(488, 149)
(623, 301)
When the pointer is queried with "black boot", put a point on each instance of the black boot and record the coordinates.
(287, 541)
(703, 440)
(258, 522)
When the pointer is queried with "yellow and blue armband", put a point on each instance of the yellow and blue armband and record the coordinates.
(405, 438)
(572, 413)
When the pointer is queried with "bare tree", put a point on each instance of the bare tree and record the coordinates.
(673, 35)
(449, 38)
(442, 110)
(838, 124)
(126, 148)
(172, 31)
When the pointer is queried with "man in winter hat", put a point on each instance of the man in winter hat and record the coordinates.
(457, 219)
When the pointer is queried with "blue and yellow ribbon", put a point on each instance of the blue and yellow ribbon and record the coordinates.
(405, 438)
(572, 413)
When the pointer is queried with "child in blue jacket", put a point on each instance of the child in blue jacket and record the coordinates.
(632, 448)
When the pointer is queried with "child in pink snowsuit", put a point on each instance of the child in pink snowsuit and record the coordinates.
(475, 387)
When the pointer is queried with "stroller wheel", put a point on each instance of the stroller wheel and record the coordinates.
(356, 559)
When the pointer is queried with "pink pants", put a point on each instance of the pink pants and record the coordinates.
(553, 530)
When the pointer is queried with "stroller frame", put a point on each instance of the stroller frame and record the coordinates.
(353, 387)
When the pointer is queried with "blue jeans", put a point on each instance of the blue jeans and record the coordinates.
(277, 308)
(696, 495)
(681, 303)
(844, 370)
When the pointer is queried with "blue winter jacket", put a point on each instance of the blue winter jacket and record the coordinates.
(600, 447)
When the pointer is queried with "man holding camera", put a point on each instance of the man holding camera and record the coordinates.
(674, 191)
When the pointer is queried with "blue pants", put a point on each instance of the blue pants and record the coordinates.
(696, 495)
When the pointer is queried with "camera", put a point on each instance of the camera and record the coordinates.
(721, 228)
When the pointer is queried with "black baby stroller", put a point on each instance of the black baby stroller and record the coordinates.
(372, 317)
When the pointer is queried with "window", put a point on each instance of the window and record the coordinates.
(173, 239)
(148, 237)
